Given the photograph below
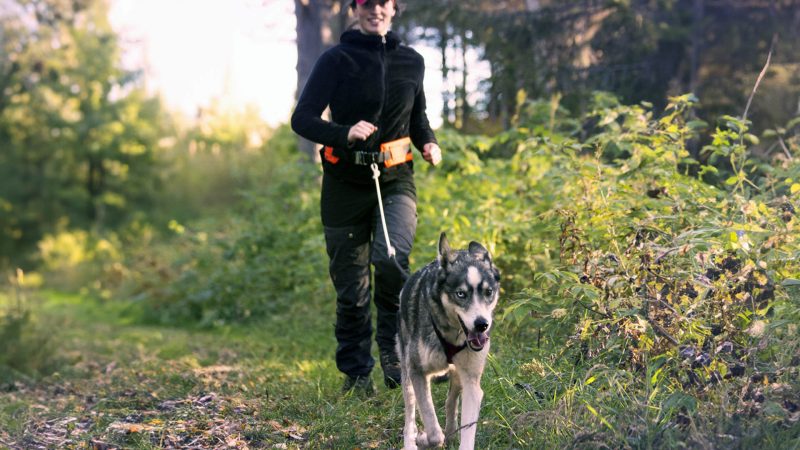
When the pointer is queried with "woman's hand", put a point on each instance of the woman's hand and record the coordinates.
(432, 153)
(360, 131)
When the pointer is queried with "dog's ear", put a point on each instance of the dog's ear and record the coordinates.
(445, 253)
(479, 252)
(496, 273)
(444, 258)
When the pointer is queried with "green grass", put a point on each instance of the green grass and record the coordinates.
(266, 383)
(274, 383)
(263, 384)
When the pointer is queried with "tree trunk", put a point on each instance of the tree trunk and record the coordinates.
(93, 187)
(4, 82)
(309, 47)
(698, 9)
(697, 42)
(462, 103)
(443, 40)
(319, 23)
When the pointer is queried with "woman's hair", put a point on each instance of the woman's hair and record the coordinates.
(398, 5)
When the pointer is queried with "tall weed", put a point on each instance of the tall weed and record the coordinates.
(26, 348)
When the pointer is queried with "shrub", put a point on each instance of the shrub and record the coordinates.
(26, 349)
(687, 285)
(640, 284)
(266, 251)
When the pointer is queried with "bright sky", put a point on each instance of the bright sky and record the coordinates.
(197, 50)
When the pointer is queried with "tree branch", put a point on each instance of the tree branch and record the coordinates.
(760, 76)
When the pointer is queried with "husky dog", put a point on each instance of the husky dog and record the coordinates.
(444, 320)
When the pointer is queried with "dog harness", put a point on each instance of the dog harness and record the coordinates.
(450, 350)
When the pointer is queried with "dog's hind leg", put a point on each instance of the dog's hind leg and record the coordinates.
(451, 407)
(470, 407)
(433, 436)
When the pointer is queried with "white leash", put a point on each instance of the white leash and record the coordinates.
(375, 174)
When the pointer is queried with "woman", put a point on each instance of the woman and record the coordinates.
(373, 86)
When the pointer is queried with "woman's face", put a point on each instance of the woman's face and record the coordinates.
(375, 16)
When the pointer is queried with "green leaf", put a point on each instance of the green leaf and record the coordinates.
(680, 400)
(697, 124)
(654, 378)
(596, 414)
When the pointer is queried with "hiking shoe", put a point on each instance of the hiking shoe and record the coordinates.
(391, 376)
(391, 370)
(359, 385)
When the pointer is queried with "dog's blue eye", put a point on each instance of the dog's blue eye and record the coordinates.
(461, 294)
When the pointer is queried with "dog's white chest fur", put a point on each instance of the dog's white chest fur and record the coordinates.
(432, 360)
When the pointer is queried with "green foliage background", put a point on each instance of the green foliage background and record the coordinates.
(648, 295)
(629, 282)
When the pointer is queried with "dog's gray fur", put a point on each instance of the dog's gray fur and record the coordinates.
(454, 295)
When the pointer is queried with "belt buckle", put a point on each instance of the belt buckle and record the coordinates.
(366, 158)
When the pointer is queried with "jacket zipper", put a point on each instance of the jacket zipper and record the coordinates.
(374, 140)
(384, 75)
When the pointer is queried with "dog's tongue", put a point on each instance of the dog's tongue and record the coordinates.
(478, 340)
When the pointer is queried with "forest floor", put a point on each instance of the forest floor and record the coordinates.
(270, 384)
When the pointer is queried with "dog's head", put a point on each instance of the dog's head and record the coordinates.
(469, 286)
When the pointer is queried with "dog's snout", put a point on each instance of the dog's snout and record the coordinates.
(481, 324)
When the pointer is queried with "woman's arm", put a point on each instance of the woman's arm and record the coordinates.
(420, 129)
(307, 118)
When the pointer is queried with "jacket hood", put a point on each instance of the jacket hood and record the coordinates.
(356, 37)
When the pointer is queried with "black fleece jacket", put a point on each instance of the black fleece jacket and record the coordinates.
(365, 77)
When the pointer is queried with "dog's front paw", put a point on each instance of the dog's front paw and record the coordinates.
(410, 437)
(430, 440)
(422, 439)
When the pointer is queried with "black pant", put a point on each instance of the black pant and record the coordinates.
(351, 249)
